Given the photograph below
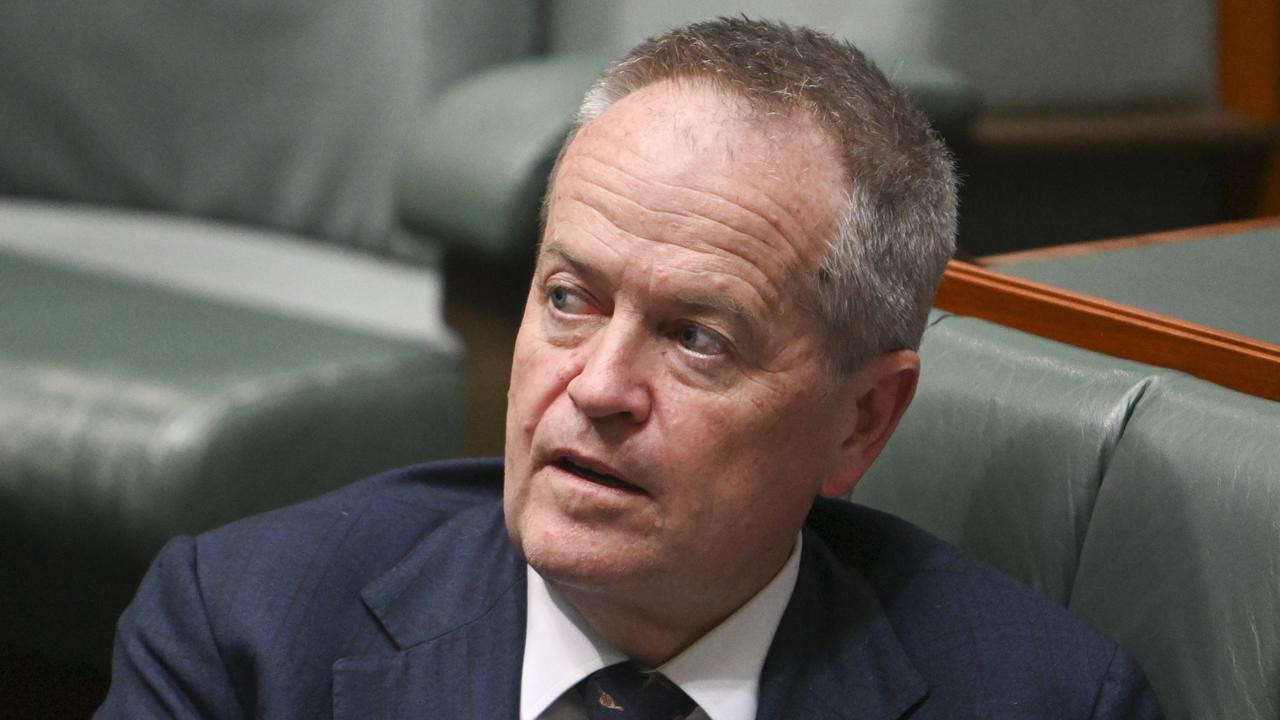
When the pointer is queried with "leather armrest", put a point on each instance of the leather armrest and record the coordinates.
(474, 173)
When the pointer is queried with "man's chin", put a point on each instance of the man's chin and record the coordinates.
(582, 560)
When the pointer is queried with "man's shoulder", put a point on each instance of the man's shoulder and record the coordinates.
(355, 532)
(410, 500)
(905, 564)
(928, 587)
(264, 606)
(966, 625)
(440, 487)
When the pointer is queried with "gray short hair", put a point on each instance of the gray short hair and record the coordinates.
(873, 289)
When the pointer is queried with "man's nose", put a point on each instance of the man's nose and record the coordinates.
(612, 381)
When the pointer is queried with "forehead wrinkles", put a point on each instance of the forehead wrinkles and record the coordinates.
(739, 218)
(755, 193)
(743, 206)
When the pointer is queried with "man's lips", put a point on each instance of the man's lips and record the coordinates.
(593, 471)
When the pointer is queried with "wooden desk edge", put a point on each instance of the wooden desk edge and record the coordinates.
(1233, 361)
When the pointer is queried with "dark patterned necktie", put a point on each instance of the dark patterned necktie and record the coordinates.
(624, 692)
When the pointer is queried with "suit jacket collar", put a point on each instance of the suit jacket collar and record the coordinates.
(454, 606)
(835, 655)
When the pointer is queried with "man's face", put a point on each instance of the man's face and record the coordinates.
(670, 417)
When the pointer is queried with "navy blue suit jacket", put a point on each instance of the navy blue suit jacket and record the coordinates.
(401, 597)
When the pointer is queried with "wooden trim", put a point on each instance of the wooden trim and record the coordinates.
(1249, 56)
(1230, 360)
(1095, 246)
(1249, 72)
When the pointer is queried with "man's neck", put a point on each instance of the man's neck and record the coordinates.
(651, 628)
(650, 640)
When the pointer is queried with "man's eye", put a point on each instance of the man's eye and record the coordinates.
(566, 300)
(700, 340)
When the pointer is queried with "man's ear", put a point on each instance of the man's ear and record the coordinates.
(874, 397)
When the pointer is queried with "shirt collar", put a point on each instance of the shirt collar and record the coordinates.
(560, 648)
(720, 671)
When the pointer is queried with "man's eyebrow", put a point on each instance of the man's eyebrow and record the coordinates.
(717, 304)
(556, 249)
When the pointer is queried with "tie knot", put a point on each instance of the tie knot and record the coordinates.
(625, 692)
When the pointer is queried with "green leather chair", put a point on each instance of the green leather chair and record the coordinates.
(229, 372)
(1003, 450)
(1141, 499)
(208, 305)
(1181, 561)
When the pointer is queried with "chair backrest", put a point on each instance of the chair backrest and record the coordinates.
(281, 114)
(1142, 499)
(1004, 448)
(1182, 560)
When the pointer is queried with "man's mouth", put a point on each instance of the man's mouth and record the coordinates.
(570, 466)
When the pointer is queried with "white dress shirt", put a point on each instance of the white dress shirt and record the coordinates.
(720, 671)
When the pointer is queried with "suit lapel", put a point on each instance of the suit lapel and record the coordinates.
(835, 654)
(455, 608)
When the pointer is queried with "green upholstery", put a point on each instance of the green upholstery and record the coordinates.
(160, 374)
(1221, 281)
(131, 411)
(477, 167)
(475, 172)
(281, 114)
(1144, 500)
(1006, 446)
(1182, 561)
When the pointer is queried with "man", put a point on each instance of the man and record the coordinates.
(741, 243)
